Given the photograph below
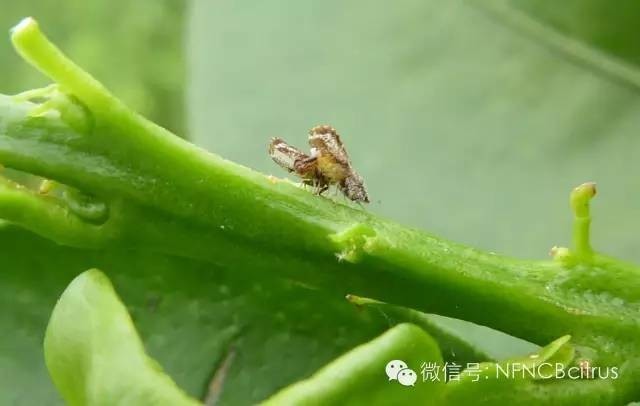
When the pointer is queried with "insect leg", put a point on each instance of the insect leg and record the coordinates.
(321, 187)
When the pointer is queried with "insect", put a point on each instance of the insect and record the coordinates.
(327, 164)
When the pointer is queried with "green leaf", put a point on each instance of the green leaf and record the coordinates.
(357, 377)
(189, 314)
(94, 354)
(600, 25)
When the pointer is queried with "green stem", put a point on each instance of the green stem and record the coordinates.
(580, 198)
(36, 49)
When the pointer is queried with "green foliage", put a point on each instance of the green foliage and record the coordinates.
(354, 379)
(595, 22)
(190, 314)
(94, 354)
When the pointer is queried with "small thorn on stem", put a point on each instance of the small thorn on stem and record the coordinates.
(579, 201)
(361, 301)
(46, 186)
(272, 179)
(559, 253)
(580, 198)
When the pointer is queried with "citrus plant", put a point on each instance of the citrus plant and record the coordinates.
(247, 288)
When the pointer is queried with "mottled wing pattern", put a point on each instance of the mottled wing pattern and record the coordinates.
(327, 141)
(334, 163)
(353, 188)
(284, 154)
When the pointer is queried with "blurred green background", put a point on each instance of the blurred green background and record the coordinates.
(471, 120)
